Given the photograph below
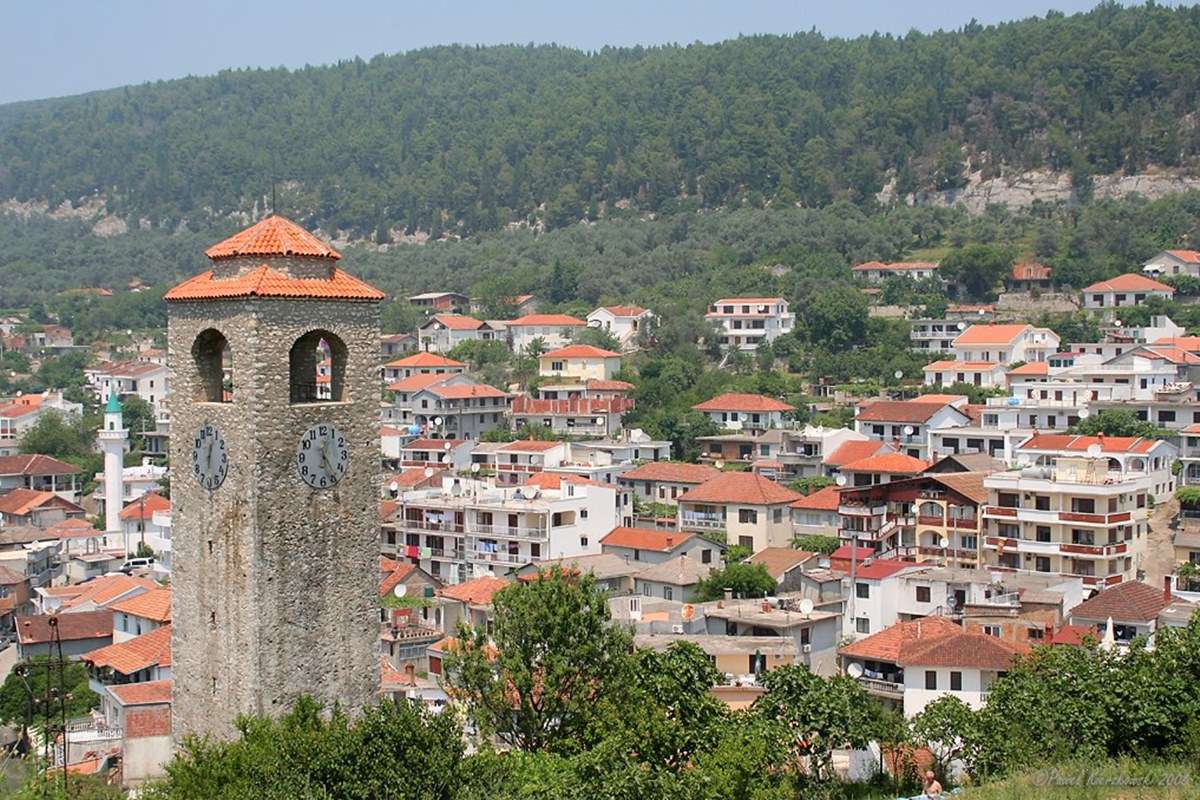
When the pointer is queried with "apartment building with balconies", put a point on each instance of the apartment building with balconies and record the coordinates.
(1076, 506)
(905, 424)
(747, 322)
(750, 510)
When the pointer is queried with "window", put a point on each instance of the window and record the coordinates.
(923, 594)
(317, 368)
(556, 366)
(991, 630)
(1043, 533)
(706, 556)
(1043, 564)
(777, 515)
(668, 594)
(583, 541)
(862, 590)
(956, 681)
(862, 625)
(1042, 502)
(931, 679)
(748, 516)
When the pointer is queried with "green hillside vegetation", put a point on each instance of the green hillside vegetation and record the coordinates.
(470, 138)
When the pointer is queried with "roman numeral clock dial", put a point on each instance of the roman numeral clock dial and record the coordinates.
(322, 456)
(210, 462)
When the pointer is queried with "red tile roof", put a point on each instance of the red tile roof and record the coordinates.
(966, 366)
(1173, 355)
(547, 319)
(962, 649)
(35, 465)
(19, 502)
(476, 592)
(1076, 635)
(132, 655)
(105, 589)
(457, 322)
(414, 478)
(425, 360)
(825, 499)
(581, 351)
(142, 694)
(1189, 343)
(733, 301)
(625, 311)
(876, 569)
(1032, 368)
(71, 627)
(848, 452)
(745, 488)
(918, 410)
(991, 334)
(273, 236)
(530, 446)
(554, 480)
(144, 507)
(659, 541)
(459, 391)
(395, 576)
(671, 472)
(738, 401)
(154, 605)
(418, 381)
(888, 463)
(1073, 443)
(1131, 282)
(433, 444)
(890, 644)
(1030, 271)
(778, 561)
(1130, 601)
(264, 281)
(1190, 256)
(598, 385)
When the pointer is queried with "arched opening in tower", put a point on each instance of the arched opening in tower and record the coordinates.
(317, 365)
(214, 367)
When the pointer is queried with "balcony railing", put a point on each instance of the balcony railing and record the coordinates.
(506, 531)
(514, 559)
(1056, 548)
(712, 521)
(881, 687)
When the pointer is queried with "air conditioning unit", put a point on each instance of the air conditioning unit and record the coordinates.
(807, 648)
(676, 629)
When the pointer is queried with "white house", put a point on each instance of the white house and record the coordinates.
(554, 330)
(1005, 344)
(1124, 290)
(146, 379)
(18, 414)
(877, 271)
(738, 411)
(579, 362)
(441, 332)
(625, 323)
(905, 424)
(421, 364)
(1173, 262)
(976, 373)
(747, 322)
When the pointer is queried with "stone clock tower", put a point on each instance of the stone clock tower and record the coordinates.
(275, 472)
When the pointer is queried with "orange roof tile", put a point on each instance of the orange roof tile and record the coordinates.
(671, 472)
(414, 478)
(580, 351)
(1073, 443)
(658, 540)
(395, 576)
(848, 452)
(1130, 282)
(1190, 256)
(142, 694)
(824, 499)
(273, 236)
(418, 381)
(21, 501)
(890, 643)
(554, 480)
(962, 649)
(598, 385)
(1032, 368)
(919, 410)
(425, 360)
(154, 605)
(264, 281)
(1030, 271)
(547, 319)
(1172, 355)
(966, 366)
(890, 463)
(105, 589)
(745, 488)
(460, 391)
(476, 592)
(132, 655)
(733, 301)
(991, 334)
(35, 465)
(778, 561)
(625, 311)
(71, 627)
(1189, 343)
(456, 322)
(739, 401)
(530, 446)
(1130, 601)
(144, 507)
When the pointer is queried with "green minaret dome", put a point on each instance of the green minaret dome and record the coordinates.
(114, 404)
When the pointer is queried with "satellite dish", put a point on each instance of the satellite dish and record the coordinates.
(840, 480)
(456, 489)
(943, 542)
(743, 416)
(962, 326)
(997, 578)
(447, 446)
(704, 454)
(532, 493)
(854, 669)
(719, 464)
(951, 601)
(429, 472)
(1014, 401)
(400, 590)
(908, 430)
(1094, 451)
(19, 392)
(898, 374)
(599, 420)
(1084, 413)
(475, 468)
(806, 606)
(437, 421)
(395, 487)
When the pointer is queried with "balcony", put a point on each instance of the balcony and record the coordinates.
(1055, 548)
(499, 557)
(1052, 516)
(705, 521)
(427, 525)
(507, 532)
(881, 688)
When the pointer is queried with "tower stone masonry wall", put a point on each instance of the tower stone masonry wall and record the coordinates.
(274, 583)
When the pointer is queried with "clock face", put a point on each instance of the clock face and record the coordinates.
(322, 456)
(210, 462)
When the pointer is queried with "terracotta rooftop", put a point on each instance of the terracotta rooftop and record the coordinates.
(991, 334)
(106, 588)
(738, 401)
(671, 472)
(890, 644)
(876, 569)
(599, 385)
(476, 592)
(1130, 282)
(547, 320)
(456, 322)
(529, 446)
(264, 281)
(144, 507)
(395, 576)
(968, 366)
(1030, 271)
(851, 451)
(1130, 601)
(142, 694)
(1189, 343)
(660, 541)
(824, 499)
(1080, 444)
(778, 561)
(21, 501)
(1173, 355)
(35, 465)
(425, 360)
(154, 605)
(1032, 368)
(961, 649)
(916, 411)
(133, 655)
(1190, 256)
(745, 488)
(414, 478)
(71, 627)
(273, 236)
(581, 351)
(890, 463)
(625, 311)
(460, 391)
(418, 381)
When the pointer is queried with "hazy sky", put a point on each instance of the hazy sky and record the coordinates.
(59, 47)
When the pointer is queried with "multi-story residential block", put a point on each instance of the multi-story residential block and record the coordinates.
(1173, 262)
(1189, 454)
(144, 379)
(422, 363)
(929, 517)
(514, 463)
(1133, 609)
(627, 324)
(1077, 506)
(18, 414)
(447, 406)
(816, 513)
(878, 272)
(1124, 290)
(442, 332)
(951, 371)
(665, 481)
(552, 330)
(747, 322)
(464, 528)
(882, 468)
(905, 424)
(751, 510)
(584, 416)
(934, 335)
(736, 411)
(631, 446)
(1005, 344)
(579, 362)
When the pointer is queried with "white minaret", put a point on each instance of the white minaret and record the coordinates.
(112, 442)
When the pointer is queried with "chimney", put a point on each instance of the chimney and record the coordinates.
(728, 594)
(410, 672)
(1167, 597)
(1048, 633)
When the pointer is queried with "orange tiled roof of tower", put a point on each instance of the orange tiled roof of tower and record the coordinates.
(273, 236)
(266, 282)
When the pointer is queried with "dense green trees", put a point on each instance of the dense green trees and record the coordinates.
(746, 580)
(1118, 422)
